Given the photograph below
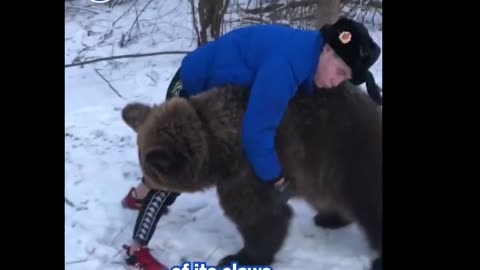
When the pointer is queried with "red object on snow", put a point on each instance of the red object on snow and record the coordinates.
(142, 259)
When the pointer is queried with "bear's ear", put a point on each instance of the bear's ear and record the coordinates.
(165, 159)
(134, 114)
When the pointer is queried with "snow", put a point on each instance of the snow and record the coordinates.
(101, 159)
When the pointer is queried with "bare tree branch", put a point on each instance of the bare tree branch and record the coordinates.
(268, 8)
(254, 19)
(111, 87)
(295, 4)
(221, 15)
(373, 4)
(124, 56)
(301, 13)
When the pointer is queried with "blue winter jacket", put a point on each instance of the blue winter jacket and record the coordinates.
(274, 61)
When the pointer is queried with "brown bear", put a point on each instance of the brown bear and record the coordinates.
(329, 144)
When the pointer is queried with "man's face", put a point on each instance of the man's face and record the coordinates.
(331, 69)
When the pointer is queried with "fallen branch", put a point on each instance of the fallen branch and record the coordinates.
(78, 261)
(109, 84)
(125, 56)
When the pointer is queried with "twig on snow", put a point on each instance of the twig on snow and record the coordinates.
(151, 78)
(77, 261)
(113, 24)
(123, 43)
(125, 56)
(113, 240)
(119, 251)
(171, 11)
(109, 84)
(211, 253)
(84, 9)
(138, 25)
(69, 203)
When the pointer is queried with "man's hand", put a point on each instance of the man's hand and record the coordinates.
(284, 188)
(279, 183)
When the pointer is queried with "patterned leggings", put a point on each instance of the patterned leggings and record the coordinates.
(156, 202)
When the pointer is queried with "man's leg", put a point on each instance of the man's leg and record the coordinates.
(141, 190)
(135, 197)
(154, 204)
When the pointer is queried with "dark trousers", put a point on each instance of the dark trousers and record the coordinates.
(156, 202)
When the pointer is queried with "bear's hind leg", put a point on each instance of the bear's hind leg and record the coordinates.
(330, 220)
(370, 219)
(368, 212)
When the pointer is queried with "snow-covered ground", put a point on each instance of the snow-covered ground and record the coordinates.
(101, 160)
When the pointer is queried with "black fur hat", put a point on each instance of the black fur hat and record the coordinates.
(351, 41)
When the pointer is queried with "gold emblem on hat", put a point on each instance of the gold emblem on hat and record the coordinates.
(345, 37)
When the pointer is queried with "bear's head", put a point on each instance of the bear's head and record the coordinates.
(172, 144)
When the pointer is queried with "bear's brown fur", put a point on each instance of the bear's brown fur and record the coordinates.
(329, 144)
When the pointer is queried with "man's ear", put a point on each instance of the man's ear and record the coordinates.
(165, 159)
(134, 114)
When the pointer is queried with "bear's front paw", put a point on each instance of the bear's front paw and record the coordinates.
(377, 264)
(226, 261)
(242, 258)
(330, 221)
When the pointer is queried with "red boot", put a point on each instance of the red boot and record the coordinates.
(131, 202)
(142, 259)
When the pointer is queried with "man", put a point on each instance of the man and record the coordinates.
(274, 62)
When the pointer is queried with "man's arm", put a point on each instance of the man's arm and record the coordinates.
(273, 88)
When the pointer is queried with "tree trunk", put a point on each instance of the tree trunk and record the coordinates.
(327, 12)
(210, 13)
